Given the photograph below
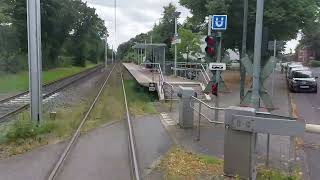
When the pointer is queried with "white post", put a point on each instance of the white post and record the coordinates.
(175, 46)
(106, 51)
(34, 58)
(274, 55)
(112, 55)
(216, 113)
(209, 25)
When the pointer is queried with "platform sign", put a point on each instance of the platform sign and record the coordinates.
(217, 66)
(152, 87)
(219, 22)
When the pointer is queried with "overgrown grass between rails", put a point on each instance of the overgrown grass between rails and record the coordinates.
(110, 106)
(11, 83)
(139, 99)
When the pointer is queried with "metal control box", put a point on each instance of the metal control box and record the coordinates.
(186, 114)
(242, 124)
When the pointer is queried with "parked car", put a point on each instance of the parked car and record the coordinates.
(299, 68)
(292, 65)
(302, 81)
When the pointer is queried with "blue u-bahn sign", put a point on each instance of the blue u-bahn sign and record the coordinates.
(219, 22)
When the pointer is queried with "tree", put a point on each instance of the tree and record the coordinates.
(125, 48)
(61, 21)
(190, 43)
(283, 18)
(160, 33)
(311, 38)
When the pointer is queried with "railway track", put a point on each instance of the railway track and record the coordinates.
(135, 174)
(17, 103)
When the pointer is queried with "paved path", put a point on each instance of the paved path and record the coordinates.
(33, 165)
(152, 141)
(100, 154)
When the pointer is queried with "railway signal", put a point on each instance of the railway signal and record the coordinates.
(210, 45)
(214, 89)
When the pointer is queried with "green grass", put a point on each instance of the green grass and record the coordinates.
(11, 83)
(110, 106)
(24, 135)
(139, 99)
(275, 174)
(209, 159)
(180, 164)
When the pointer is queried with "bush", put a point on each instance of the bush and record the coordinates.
(65, 61)
(13, 63)
(314, 63)
(24, 129)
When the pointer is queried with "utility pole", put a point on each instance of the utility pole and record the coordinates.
(34, 58)
(257, 55)
(244, 48)
(218, 76)
(209, 25)
(274, 55)
(176, 15)
(106, 49)
(112, 55)
(175, 46)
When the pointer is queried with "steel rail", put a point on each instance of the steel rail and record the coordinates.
(49, 84)
(23, 107)
(131, 136)
(76, 135)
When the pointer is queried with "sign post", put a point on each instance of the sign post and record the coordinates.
(219, 23)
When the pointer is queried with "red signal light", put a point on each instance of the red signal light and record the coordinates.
(209, 50)
(214, 89)
(210, 41)
(210, 45)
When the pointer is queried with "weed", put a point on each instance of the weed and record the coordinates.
(140, 101)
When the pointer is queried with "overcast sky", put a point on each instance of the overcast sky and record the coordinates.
(133, 16)
(138, 16)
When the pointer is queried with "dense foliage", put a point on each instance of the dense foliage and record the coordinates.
(283, 18)
(71, 31)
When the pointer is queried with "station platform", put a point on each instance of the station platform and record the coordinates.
(144, 76)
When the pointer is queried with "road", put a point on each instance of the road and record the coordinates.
(308, 107)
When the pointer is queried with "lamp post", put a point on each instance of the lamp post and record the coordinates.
(175, 15)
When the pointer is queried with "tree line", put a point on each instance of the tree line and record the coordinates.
(283, 20)
(72, 33)
(163, 32)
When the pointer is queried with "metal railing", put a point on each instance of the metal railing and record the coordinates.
(171, 93)
(194, 99)
(196, 67)
(205, 74)
(161, 77)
